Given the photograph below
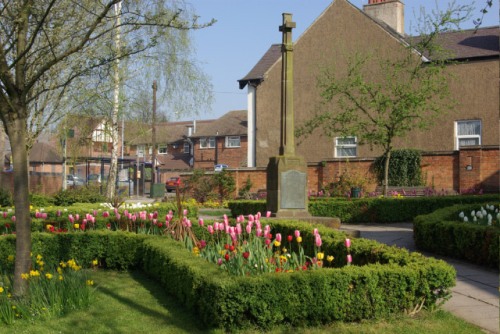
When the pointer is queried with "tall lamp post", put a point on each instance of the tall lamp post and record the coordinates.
(153, 157)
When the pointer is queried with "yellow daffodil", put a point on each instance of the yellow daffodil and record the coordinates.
(25, 276)
(61, 277)
(329, 258)
(277, 243)
(34, 273)
(39, 257)
(59, 270)
(1, 289)
(95, 262)
(48, 275)
(10, 258)
(90, 282)
(299, 239)
(76, 226)
(320, 255)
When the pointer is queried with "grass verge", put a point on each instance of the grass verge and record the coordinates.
(130, 302)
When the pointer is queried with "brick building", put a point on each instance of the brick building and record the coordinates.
(468, 135)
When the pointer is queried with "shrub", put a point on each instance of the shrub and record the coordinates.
(86, 194)
(404, 168)
(5, 198)
(441, 232)
(40, 200)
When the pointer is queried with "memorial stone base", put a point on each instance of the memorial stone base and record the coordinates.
(287, 187)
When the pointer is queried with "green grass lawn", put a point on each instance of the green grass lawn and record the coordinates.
(129, 302)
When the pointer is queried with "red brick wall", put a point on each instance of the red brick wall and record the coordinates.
(46, 183)
(234, 157)
(440, 171)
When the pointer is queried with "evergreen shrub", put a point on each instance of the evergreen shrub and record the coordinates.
(441, 232)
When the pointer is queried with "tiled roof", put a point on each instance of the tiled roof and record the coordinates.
(463, 44)
(175, 161)
(167, 132)
(470, 44)
(44, 152)
(233, 123)
(256, 74)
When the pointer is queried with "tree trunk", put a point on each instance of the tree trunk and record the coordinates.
(113, 168)
(17, 136)
(386, 171)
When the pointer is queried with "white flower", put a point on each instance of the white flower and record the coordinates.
(461, 215)
(474, 219)
(479, 214)
(466, 219)
(473, 213)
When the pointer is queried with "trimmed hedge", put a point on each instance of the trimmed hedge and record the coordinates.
(381, 281)
(442, 233)
(389, 280)
(369, 210)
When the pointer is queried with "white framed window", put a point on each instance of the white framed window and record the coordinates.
(233, 141)
(162, 149)
(101, 134)
(140, 150)
(346, 147)
(207, 142)
(187, 148)
(467, 133)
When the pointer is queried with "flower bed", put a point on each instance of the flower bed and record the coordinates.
(381, 280)
(444, 232)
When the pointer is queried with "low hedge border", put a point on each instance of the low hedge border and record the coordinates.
(369, 210)
(383, 279)
(442, 233)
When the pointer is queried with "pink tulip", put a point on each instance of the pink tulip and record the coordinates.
(248, 228)
(318, 240)
(238, 229)
(5, 214)
(185, 212)
(210, 229)
(200, 222)
(349, 258)
(71, 219)
(297, 233)
(258, 231)
(95, 212)
(347, 243)
(37, 214)
(105, 214)
(118, 216)
(258, 215)
(268, 214)
(125, 212)
(77, 217)
(315, 231)
(13, 218)
(251, 218)
(44, 215)
(278, 237)
(268, 242)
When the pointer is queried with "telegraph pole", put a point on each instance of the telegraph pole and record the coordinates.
(153, 157)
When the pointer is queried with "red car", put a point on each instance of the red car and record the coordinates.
(172, 183)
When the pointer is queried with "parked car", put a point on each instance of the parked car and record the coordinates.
(73, 181)
(220, 167)
(172, 183)
(95, 178)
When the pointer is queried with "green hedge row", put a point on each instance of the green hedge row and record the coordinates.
(382, 279)
(368, 210)
(114, 250)
(441, 232)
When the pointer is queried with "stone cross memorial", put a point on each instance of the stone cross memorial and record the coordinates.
(287, 172)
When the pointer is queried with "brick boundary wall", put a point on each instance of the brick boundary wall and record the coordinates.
(471, 168)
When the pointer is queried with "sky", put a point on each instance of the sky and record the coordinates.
(245, 30)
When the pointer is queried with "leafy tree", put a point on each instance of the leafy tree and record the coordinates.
(379, 100)
(45, 47)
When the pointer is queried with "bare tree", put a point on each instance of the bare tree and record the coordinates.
(44, 47)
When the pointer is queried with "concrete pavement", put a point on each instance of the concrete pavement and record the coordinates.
(475, 296)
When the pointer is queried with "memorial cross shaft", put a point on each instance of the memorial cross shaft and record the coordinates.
(287, 142)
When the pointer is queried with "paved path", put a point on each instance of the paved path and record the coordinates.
(475, 296)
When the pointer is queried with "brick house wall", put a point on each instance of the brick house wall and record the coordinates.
(234, 157)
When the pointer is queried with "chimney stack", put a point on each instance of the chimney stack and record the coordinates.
(391, 12)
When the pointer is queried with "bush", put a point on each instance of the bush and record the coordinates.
(85, 194)
(404, 168)
(442, 233)
(5, 198)
(40, 200)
